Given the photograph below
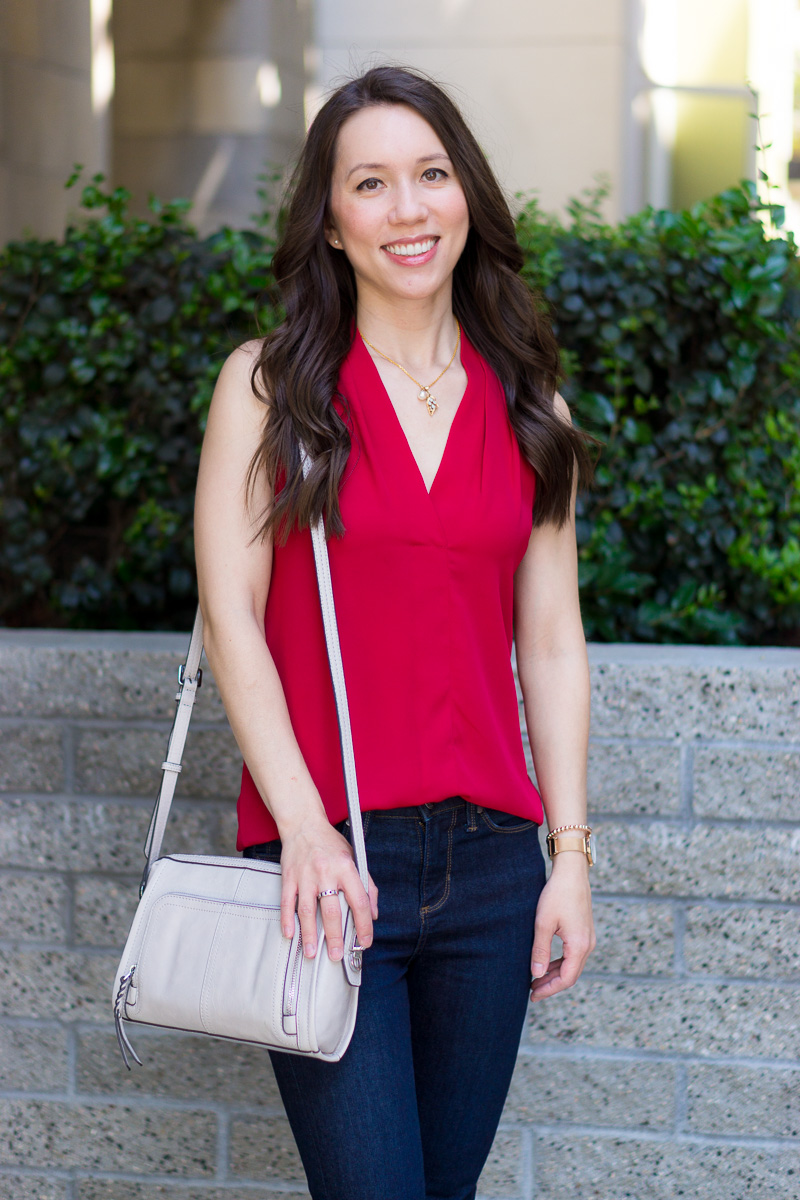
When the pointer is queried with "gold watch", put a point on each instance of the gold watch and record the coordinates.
(578, 839)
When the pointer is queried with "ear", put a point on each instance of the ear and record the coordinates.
(332, 237)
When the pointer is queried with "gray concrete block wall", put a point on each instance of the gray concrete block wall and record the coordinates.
(672, 1068)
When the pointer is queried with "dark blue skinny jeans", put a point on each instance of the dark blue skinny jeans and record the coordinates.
(411, 1110)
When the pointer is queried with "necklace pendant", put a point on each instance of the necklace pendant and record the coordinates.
(431, 402)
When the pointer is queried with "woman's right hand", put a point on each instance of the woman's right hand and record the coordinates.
(314, 858)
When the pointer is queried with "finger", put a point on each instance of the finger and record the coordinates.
(360, 905)
(307, 912)
(552, 971)
(543, 986)
(574, 960)
(288, 905)
(373, 898)
(564, 973)
(542, 941)
(332, 924)
(540, 986)
(542, 989)
(553, 968)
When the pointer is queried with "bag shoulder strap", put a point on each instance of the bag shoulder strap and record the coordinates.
(190, 677)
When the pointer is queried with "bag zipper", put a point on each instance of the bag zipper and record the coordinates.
(290, 1002)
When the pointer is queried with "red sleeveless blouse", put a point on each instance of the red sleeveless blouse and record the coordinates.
(423, 588)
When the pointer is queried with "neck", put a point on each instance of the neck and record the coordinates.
(418, 334)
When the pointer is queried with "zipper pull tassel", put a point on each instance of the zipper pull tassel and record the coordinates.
(122, 1037)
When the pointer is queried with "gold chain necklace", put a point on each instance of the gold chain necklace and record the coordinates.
(424, 392)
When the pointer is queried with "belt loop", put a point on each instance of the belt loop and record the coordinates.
(471, 823)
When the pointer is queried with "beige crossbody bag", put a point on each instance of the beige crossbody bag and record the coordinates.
(206, 952)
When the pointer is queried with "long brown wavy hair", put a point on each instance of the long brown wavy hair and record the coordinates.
(297, 369)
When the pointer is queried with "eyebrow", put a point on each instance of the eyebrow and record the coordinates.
(366, 166)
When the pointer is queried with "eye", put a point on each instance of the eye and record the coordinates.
(434, 175)
(369, 185)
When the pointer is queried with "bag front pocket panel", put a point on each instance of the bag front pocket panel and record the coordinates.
(247, 976)
(229, 985)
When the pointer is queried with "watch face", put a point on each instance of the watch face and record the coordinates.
(592, 849)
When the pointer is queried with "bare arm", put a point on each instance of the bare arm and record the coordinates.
(554, 678)
(233, 578)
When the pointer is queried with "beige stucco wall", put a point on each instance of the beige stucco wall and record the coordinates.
(651, 93)
(542, 84)
(208, 93)
(188, 98)
(194, 98)
(47, 117)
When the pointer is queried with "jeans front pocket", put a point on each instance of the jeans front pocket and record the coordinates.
(503, 822)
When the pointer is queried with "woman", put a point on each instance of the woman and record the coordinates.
(416, 369)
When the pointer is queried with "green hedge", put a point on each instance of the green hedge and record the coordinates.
(683, 347)
(110, 343)
(681, 340)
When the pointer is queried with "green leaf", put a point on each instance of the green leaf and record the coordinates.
(596, 408)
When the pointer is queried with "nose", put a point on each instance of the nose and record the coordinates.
(409, 207)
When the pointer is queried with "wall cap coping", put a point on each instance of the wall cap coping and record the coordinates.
(600, 654)
(701, 657)
(94, 639)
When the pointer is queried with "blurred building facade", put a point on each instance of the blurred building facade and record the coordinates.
(196, 98)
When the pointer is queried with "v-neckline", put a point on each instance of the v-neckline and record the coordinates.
(394, 417)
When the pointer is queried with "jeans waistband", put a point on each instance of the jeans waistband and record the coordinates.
(416, 811)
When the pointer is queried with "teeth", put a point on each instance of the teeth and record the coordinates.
(412, 248)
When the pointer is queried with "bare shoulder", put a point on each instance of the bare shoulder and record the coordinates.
(248, 352)
(235, 407)
(237, 370)
(234, 431)
(562, 408)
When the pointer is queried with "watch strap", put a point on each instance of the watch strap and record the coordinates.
(557, 843)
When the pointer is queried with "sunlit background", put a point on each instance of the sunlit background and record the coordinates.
(196, 98)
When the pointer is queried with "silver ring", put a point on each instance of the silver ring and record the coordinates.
(328, 892)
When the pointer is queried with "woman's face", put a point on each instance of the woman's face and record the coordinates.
(397, 208)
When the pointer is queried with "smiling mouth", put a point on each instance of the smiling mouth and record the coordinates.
(411, 249)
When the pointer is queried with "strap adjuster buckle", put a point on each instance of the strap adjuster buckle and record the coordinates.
(356, 953)
(182, 675)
